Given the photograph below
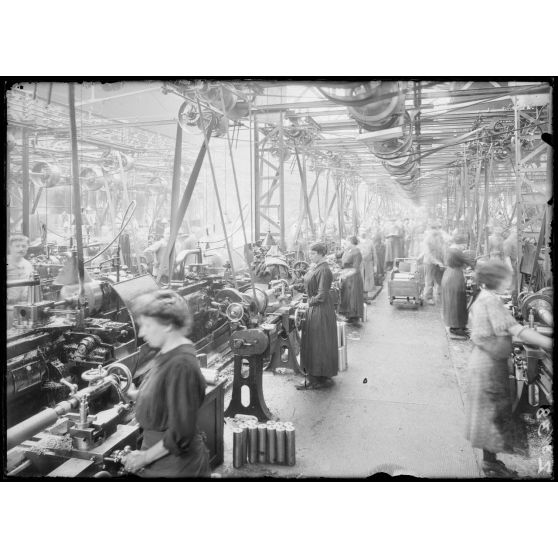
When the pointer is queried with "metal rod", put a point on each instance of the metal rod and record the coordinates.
(257, 181)
(76, 201)
(25, 183)
(282, 225)
(519, 205)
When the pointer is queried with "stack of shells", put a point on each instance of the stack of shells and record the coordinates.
(271, 442)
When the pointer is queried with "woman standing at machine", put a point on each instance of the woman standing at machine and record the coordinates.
(352, 288)
(170, 394)
(454, 295)
(318, 347)
(490, 425)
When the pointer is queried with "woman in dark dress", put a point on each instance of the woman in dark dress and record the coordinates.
(318, 346)
(170, 394)
(490, 424)
(454, 296)
(379, 255)
(352, 286)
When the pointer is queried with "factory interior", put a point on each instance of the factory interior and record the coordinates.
(266, 279)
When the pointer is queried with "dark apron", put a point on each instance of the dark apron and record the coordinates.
(193, 463)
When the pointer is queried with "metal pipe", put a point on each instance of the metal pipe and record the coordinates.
(76, 202)
(25, 182)
(23, 282)
(518, 203)
(244, 446)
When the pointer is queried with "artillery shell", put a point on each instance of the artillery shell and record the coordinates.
(252, 443)
(237, 448)
(262, 443)
(280, 444)
(271, 437)
(290, 447)
(244, 428)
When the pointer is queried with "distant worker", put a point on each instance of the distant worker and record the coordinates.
(19, 269)
(352, 289)
(158, 250)
(496, 244)
(454, 295)
(510, 259)
(433, 259)
(394, 246)
(379, 255)
(367, 269)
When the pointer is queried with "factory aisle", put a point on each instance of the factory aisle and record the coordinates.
(397, 408)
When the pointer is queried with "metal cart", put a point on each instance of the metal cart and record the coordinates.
(406, 282)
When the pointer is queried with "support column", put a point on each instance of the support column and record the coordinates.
(518, 204)
(282, 242)
(257, 181)
(25, 183)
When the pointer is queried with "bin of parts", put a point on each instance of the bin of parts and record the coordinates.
(406, 282)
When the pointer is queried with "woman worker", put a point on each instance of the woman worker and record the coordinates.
(454, 296)
(318, 347)
(352, 287)
(489, 407)
(170, 395)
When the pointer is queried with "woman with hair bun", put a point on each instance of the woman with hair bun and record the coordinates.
(490, 425)
(170, 395)
(318, 346)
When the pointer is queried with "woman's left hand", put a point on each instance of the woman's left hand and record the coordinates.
(134, 461)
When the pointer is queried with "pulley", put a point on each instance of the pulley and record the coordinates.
(45, 175)
(110, 163)
(390, 100)
(351, 94)
(91, 178)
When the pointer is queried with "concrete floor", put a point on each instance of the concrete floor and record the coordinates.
(397, 408)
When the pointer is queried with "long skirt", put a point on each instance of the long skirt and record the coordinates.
(454, 298)
(367, 270)
(380, 256)
(318, 345)
(352, 294)
(394, 249)
(489, 420)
